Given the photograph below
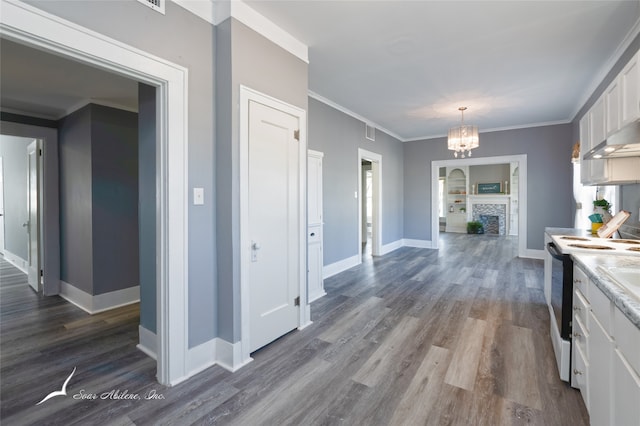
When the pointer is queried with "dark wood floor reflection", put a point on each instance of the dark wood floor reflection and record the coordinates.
(456, 336)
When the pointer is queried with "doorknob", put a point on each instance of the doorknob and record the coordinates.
(24, 225)
(255, 246)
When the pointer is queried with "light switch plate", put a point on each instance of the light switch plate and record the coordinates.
(198, 196)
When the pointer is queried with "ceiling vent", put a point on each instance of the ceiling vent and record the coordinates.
(157, 5)
(370, 132)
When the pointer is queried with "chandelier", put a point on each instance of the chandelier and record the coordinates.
(463, 138)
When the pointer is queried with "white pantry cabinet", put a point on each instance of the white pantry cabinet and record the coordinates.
(315, 282)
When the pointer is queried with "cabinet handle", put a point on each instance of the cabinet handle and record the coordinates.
(313, 234)
(576, 334)
(577, 372)
(577, 308)
(577, 281)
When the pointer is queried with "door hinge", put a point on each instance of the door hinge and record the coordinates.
(296, 135)
(296, 301)
(40, 152)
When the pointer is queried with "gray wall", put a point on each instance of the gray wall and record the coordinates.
(339, 136)
(549, 184)
(13, 151)
(244, 57)
(99, 199)
(147, 204)
(114, 202)
(76, 247)
(195, 50)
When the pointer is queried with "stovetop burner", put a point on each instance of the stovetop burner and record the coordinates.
(626, 241)
(575, 238)
(591, 246)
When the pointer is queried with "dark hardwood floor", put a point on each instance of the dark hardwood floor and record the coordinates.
(457, 336)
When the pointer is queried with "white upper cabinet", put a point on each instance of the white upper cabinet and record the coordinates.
(618, 106)
(629, 81)
(612, 101)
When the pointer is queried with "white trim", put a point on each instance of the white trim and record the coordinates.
(16, 261)
(497, 129)
(534, 254)
(407, 242)
(246, 95)
(100, 302)
(250, 17)
(229, 355)
(606, 67)
(201, 357)
(521, 159)
(148, 342)
(31, 26)
(340, 266)
(203, 9)
(388, 248)
(350, 113)
(376, 215)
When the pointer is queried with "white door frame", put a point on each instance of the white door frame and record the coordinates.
(478, 161)
(31, 26)
(33, 228)
(376, 214)
(304, 319)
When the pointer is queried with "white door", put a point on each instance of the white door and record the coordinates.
(1, 208)
(32, 211)
(274, 226)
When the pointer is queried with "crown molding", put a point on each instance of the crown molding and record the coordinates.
(347, 111)
(607, 67)
(218, 11)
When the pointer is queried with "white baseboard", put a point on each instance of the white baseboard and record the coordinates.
(148, 342)
(407, 242)
(340, 266)
(101, 302)
(316, 296)
(388, 248)
(534, 254)
(16, 261)
(229, 355)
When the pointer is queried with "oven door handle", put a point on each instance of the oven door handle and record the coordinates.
(554, 252)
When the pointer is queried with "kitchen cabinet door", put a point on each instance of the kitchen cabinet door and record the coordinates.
(612, 107)
(599, 374)
(629, 80)
(626, 409)
(597, 134)
(585, 145)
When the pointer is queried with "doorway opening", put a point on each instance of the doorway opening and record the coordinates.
(32, 27)
(454, 195)
(369, 196)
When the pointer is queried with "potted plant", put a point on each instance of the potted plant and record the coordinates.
(601, 204)
(475, 227)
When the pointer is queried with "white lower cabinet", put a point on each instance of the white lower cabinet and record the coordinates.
(626, 407)
(605, 361)
(600, 352)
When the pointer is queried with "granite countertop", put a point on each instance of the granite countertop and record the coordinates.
(627, 303)
(572, 232)
(589, 263)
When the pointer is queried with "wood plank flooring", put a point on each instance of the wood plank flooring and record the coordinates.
(457, 336)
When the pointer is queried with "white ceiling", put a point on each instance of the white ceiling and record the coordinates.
(405, 66)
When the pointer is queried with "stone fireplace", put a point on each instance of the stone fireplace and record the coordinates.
(492, 211)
